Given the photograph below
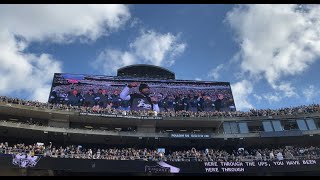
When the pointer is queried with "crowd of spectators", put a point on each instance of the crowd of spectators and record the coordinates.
(177, 96)
(193, 154)
(305, 109)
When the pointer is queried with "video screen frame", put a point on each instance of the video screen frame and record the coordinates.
(170, 95)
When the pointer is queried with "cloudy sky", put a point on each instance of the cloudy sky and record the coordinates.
(269, 53)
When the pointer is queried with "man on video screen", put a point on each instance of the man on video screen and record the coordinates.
(140, 101)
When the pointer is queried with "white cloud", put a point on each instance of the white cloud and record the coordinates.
(156, 48)
(257, 97)
(135, 22)
(276, 41)
(271, 98)
(310, 93)
(62, 22)
(287, 89)
(198, 79)
(31, 74)
(149, 48)
(215, 73)
(25, 72)
(241, 90)
(110, 60)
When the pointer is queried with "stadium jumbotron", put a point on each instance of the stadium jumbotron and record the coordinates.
(138, 123)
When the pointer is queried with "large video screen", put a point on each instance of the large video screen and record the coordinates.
(139, 94)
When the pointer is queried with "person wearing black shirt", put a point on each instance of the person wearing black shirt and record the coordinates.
(73, 99)
(186, 102)
(115, 99)
(219, 103)
(200, 102)
(140, 101)
(165, 104)
(102, 98)
(89, 99)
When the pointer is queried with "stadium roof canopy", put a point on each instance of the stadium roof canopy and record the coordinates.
(145, 71)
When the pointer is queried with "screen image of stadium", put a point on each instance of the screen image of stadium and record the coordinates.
(170, 95)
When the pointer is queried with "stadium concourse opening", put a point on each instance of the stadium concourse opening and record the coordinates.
(145, 71)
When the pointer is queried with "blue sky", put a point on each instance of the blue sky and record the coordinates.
(269, 53)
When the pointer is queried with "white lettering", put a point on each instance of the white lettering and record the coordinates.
(231, 163)
(292, 163)
(210, 164)
(196, 135)
(278, 163)
(232, 169)
(177, 135)
(250, 164)
(212, 170)
(263, 164)
(309, 162)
